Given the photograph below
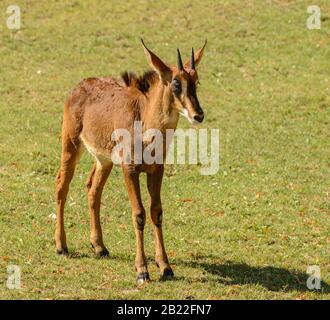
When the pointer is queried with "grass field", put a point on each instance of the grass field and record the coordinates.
(248, 232)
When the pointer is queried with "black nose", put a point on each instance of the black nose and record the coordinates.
(199, 117)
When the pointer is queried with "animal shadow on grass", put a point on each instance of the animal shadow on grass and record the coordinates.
(272, 278)
(78, 255)
(74, 254)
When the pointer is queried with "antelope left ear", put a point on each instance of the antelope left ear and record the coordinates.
(157, 64)
(197, 57)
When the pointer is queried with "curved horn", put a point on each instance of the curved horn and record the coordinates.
(180, 64)
(192, 59)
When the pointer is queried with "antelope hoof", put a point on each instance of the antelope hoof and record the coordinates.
(167, 274)
(104, 253)
(100, 252)
(142, 278)
(62, 252)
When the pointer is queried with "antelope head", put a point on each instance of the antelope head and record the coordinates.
(181, 82)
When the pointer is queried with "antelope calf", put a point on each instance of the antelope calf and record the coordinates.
(93, 111)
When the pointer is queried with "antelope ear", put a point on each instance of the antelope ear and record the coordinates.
(198, 57)
(164, 72)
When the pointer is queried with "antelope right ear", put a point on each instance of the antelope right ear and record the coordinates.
(164, 72)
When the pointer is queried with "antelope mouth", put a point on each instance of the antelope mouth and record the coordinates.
(196, 119)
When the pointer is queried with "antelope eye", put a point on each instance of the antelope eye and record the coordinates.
(176, 86)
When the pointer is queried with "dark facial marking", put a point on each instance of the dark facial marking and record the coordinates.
(191, 91)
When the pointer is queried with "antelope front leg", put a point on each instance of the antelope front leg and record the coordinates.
(154, 182)
(139, 218)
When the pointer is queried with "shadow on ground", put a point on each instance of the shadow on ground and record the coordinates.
(233, 273)
(272, 278)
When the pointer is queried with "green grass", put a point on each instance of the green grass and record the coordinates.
(249, 232)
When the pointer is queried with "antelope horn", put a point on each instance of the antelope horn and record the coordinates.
(192, 59)
(180, 64)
